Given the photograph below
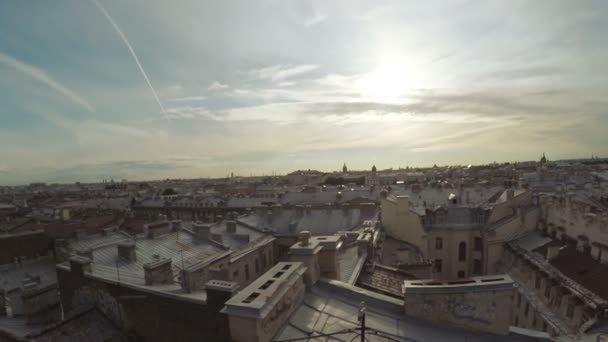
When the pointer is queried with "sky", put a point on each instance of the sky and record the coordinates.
(147, 89)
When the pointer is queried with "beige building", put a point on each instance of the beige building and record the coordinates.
(461, 239)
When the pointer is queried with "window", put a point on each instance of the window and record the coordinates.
(476, 266)
(246, 272)
(235, 274)
(537, 281)
(534, 322)
(438, 265)
(461, 274)
(527, 309)
(264, 261)
(438, 243)
(257, 266)
(462, 251)
(544, 326)
(547, 292)
(516, 321)
(478, 244)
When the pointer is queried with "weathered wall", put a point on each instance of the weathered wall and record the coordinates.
(451, 264)
(488, 311)
(565, 212)
(152, 316)
(263, 330)
(402, 224)
(264, 257)
(517, 225)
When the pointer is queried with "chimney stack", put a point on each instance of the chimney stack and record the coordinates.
(304, 238)
(126, 251)
(201, 230)
(158, 272)
(80, 265)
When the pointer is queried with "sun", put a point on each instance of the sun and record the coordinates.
(387, 84)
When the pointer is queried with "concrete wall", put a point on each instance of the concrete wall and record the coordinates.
(475, 309)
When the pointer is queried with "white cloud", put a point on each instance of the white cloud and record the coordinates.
(217, 86)
(43, 77)
(281, 72)
(187, 98)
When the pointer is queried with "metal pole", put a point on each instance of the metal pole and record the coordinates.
(362, 310)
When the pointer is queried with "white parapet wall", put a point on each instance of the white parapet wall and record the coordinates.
(477, 303)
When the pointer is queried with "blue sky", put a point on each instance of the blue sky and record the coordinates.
(273, 86)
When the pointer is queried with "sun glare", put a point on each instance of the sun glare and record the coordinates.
(387, 84)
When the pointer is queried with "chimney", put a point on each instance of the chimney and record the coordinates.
(201, 231)
(218, 293)
(126, 251)
(158, 272)
(328, 256)
(304, 238)
(231, 227)
(307, 252)
(80, 265)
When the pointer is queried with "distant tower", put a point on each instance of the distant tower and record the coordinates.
(543, 160)
(344, 168)
(374, 169)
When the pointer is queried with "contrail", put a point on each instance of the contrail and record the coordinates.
(126, 41)
(43, 77)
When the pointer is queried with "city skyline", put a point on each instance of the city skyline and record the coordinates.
(155, 90)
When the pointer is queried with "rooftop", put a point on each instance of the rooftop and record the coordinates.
(331, 307)
(319, 221)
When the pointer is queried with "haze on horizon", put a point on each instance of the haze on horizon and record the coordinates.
(256, 87)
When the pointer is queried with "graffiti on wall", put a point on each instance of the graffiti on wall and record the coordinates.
(478, 308)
